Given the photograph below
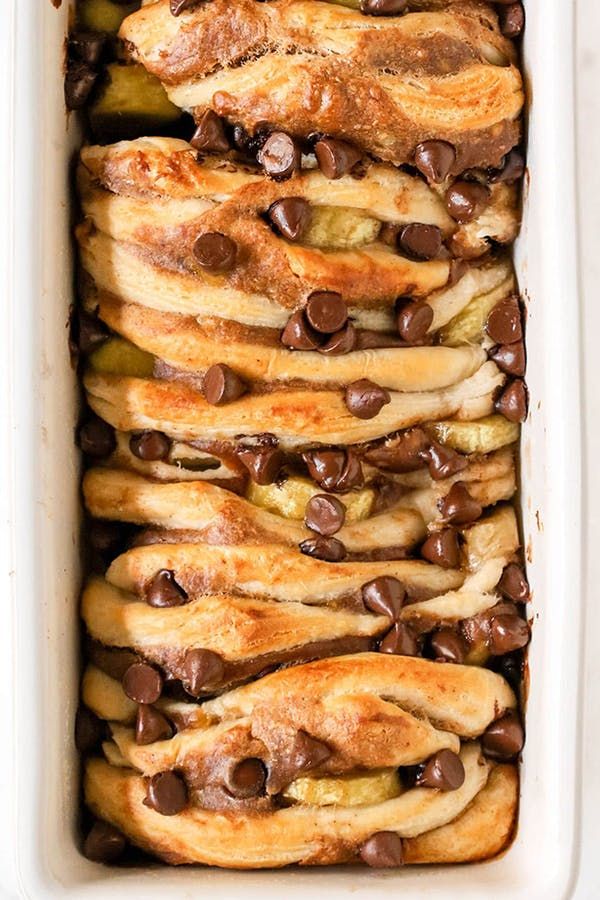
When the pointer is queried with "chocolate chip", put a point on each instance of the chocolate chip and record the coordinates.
(162, 591)
(90, 331)
(400, 641)
(513, 584)
(142, 683)
(510, 358)
(329, 549)
(166, 793)
(221, 385)
(443, 461)
(403, 453)
(458, 506)
(97, 438)
(298, 335)
(365, 400)
(444, 771)
(334, 470)
(90, 731)
(326, 311)
(413, 318)
(79, 82)
(420, 241)
(512, 20)
(434, 159)
(247, 778)
(263, 463)
(383, 7)
(512, 402)
(336, 158)
(513, 168)
(307, 752)
(324, 514)
(202, 669)
(447, 646)
(291, 216)
(149, 445)
(151, 726)
(465, 200)
(504, 738)
(279, 156)
(383, 850)
(507, 633)
(442, 549)
(215, 251)
(343, 341)
(210, 136)
(104, 844)
(504, 322)
(179, 6)
(384, 595)
(87, 46)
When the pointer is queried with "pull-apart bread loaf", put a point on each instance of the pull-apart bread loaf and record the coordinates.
(302, 354)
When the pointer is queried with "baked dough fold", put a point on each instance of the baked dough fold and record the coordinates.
(384, 85)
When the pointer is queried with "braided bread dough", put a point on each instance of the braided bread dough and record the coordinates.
(444, 707)
(385, 84)
(314, 681)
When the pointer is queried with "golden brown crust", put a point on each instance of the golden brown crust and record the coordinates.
(144, 275)
(483, 831)
(240, 621)
(368, 83)
(310, 837)
(299, 417)
(464, 698)
(235, 627)
(151, 169)
(221, 473)
(120, 185)
(480, 832)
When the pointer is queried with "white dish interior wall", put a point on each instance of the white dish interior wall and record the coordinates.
(38, 766)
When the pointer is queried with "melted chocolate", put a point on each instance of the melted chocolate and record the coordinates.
(115, 661)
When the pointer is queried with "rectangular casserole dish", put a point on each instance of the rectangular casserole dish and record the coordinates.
(40, 679)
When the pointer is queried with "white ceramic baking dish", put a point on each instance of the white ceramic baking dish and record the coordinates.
(40, 516)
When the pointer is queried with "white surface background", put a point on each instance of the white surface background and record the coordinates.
(588, 112)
